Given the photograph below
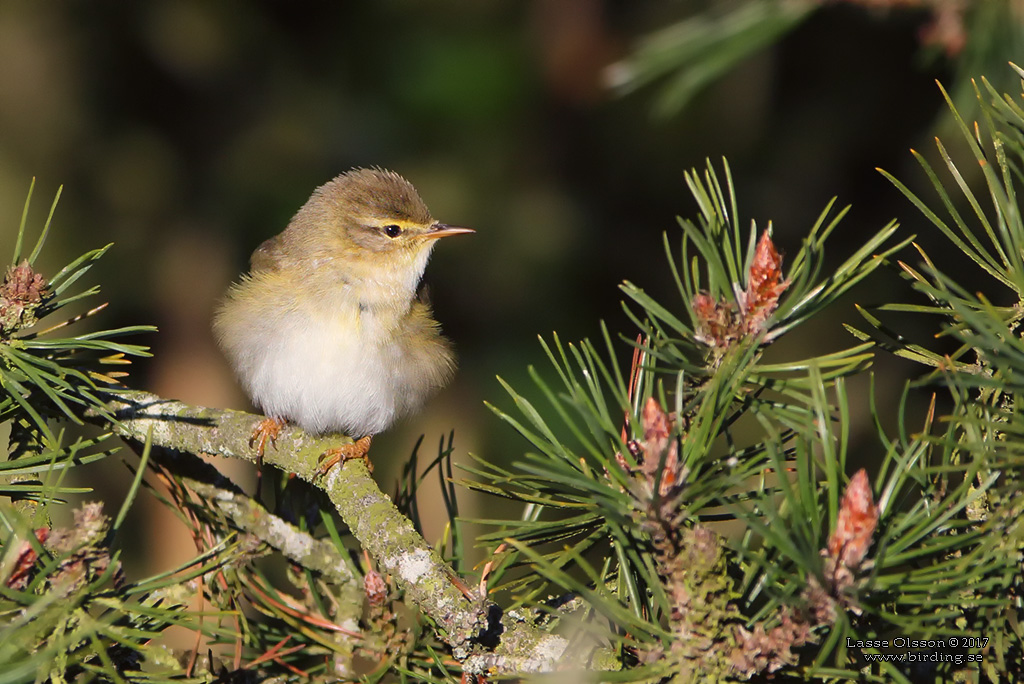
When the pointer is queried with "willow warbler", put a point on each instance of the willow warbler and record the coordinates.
(326, 330)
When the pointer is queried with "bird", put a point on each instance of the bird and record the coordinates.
(329, 330)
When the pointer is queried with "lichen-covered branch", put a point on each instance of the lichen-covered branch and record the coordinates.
(247, 515)
(375, 522)
(217, 493)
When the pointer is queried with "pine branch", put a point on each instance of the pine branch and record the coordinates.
(248, 516)
(465, 624)
(244, 513)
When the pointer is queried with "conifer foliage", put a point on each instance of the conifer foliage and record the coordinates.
(697, 516)
(706, 504)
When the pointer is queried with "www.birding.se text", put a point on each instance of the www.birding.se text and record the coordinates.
(933, 657)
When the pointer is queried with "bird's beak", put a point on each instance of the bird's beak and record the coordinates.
(440, 230)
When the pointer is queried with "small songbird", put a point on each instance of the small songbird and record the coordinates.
(326, 330)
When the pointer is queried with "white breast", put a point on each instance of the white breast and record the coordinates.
(347, 360)
(328, 375)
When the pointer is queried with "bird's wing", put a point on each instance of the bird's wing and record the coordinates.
(267, 256)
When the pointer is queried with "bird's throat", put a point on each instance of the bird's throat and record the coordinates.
(379, 295)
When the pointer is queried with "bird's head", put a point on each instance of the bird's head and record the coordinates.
(371, 215)
(368, 228)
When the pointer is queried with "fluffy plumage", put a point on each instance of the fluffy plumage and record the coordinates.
(326, 329)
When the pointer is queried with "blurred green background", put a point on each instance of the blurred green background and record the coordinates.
(187, 132)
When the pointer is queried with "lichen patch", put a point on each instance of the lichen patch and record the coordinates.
(413, 566)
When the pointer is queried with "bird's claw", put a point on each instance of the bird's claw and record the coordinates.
(346, 452)
(266, 429)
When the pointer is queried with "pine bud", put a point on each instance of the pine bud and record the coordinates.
(855, 524)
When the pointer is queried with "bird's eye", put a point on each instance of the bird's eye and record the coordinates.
(392, 231)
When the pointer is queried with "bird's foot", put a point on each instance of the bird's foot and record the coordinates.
(266, 429)
(346, 452)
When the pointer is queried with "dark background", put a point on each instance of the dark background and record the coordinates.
(188, 132)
